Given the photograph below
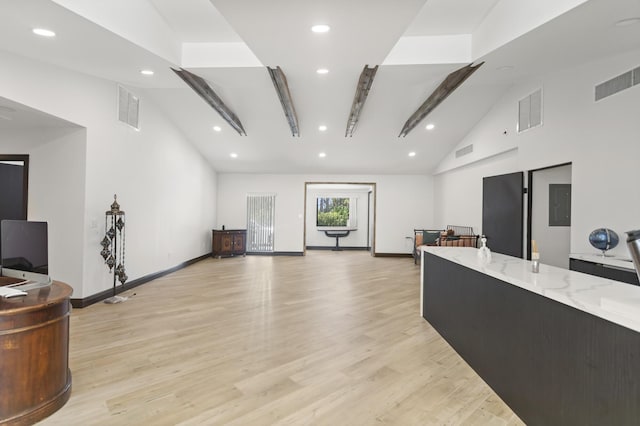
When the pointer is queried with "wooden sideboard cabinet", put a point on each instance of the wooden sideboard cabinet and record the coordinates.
(230, 242)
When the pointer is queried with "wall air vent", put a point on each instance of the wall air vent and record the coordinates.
(464, 151)
(530, 111)
(128, 107)
(618, 84)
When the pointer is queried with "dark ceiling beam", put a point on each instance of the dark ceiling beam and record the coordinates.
(451, 83)
(282, 89)
(362, 91)
(202, 88)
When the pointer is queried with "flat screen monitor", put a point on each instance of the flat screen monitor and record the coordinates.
(23, 250)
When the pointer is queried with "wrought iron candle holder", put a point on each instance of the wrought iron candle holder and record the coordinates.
(113, 247)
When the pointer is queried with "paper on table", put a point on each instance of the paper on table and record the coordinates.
(7, 292)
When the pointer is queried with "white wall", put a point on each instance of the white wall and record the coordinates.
(164, 185)
(357, 237)
(56, 191)
(458, 193)
(403, 202)
(600, 139)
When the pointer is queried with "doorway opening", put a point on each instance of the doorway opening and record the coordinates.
(357, 230)
(14, 186)
(549, 214)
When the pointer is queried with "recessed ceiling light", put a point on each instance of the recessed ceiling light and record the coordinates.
(233, 155)
(629, 21)
(322, 155)
(44, 32)
(217, 128)
(412, 154)
(430, 126)
(146, 72)
(322, 71)
(321, 28)
(322, 127)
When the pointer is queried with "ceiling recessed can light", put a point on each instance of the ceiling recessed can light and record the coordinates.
(322, 155)
(320, 28)
(430, 126)
(322, 71)
(628, 21)
(233, 155)
(322, 127)
(146, 72)
(217, 128)
(412, 154)
(44, 32)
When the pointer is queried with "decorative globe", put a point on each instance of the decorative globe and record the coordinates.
(603, 239)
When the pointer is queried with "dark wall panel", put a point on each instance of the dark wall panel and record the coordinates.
(11, 192)
(13, 187)
(502, 213)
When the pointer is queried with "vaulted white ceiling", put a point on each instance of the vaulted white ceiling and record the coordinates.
(416, 43)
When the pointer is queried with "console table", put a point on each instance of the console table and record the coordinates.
(559, 347)
(35, 380)
(337, 235)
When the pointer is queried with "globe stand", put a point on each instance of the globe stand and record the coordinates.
(604, 239)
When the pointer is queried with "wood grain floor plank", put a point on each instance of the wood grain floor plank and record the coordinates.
(328, 338)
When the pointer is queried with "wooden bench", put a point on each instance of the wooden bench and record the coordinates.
(452, 236)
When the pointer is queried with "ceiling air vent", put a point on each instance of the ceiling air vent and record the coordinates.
(464, 151)
(618, 84)
(530, 111)
(128, 107)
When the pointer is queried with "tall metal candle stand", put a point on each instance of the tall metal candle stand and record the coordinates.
(113, 247)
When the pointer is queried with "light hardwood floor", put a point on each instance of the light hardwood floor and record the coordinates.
(332, 338)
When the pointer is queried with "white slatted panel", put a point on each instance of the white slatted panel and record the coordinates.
(260, 222)
(530, 111)
(128, 107)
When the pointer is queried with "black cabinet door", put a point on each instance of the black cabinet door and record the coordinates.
(502, 213)
(603, 271)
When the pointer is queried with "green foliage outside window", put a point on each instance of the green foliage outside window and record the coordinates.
(332, 212)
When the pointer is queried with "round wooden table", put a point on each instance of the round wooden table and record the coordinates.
(35, 380)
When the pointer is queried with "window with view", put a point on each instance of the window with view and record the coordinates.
(335, 212)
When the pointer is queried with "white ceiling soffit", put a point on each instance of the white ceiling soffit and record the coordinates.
(80, 45)
(187, 33)
(16, 116)
(363, 31)
(459, 31)
(137, 21)
(340, 186)
(510, 19)
(444, 49)
(196, 21)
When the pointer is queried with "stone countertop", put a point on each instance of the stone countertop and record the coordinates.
(607, 299)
